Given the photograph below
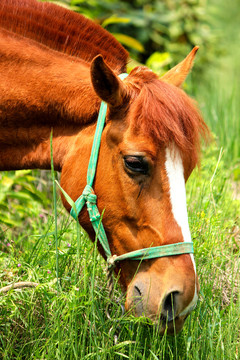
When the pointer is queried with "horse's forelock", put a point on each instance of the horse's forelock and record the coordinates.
(167, 115)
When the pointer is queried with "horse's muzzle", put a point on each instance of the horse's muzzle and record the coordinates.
(167, 306)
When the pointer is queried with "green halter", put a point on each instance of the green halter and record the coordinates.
(88, 196)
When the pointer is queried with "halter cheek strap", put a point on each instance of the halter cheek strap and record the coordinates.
(89, 198)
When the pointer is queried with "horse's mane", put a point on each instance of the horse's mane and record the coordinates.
(62, 30)
(161, 111)
(166, 114)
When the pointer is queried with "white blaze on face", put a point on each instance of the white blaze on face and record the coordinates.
(175, 173)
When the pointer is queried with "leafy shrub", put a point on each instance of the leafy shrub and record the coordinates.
(148, 26)
(19, 197)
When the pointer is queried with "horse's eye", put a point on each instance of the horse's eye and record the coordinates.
(136, 164)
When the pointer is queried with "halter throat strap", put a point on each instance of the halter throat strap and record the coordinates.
(89, 198)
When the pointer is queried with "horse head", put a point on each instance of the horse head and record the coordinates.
(148, 150)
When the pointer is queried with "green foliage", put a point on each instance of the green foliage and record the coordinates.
(221, 111)
(148, 26)
(19, 196)
(71, 323)
(68, 321)
(158, 61)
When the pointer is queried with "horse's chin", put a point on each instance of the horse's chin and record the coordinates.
(162, 325)
(172, 327)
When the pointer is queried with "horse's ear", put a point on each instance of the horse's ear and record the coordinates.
(106, 83)
(178, 73)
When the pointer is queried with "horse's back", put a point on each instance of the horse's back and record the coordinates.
(61, 30)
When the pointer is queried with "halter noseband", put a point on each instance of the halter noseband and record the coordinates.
(90, 198)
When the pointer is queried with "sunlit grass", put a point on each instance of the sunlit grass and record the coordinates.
(72, 324)
(221, 108)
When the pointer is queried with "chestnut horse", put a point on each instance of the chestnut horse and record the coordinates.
(56, 67)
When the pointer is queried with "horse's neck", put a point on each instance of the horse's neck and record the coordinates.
(40, 89)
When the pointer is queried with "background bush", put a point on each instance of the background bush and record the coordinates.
(68, 321)
(148, 26)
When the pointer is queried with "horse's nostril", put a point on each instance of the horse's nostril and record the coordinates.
(137, 291)
(169, 305)
(138, 301)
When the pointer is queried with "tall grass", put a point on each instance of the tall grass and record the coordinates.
(218, 93)
(42, 323)
(70, 321)
(221, 109)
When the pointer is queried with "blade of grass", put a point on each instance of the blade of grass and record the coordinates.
(54, 210)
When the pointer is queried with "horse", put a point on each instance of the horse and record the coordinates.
(56, 67)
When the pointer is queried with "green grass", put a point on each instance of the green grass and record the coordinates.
(71, 323)
(219, 92)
